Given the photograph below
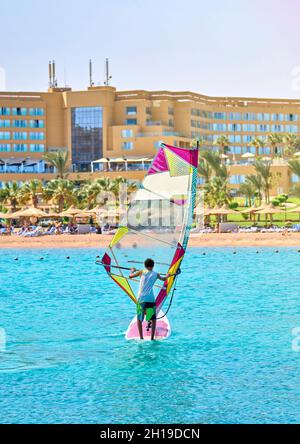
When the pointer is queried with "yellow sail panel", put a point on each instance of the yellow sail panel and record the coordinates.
(124, 284)
(118, 236)
(173, 270)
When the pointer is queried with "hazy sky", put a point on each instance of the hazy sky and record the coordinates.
(216, 47)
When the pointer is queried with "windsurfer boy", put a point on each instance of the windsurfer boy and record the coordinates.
(146, 298)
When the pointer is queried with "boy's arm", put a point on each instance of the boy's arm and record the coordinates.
(134, 273)
(163, 278)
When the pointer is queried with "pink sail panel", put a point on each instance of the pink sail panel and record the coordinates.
(189, 156)
(160, 163)
(107, 260)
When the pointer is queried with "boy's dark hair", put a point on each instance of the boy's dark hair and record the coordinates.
(149, 263)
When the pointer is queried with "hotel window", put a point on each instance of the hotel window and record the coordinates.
(277, 117)
(171, 111)
(4, 123)
(219, 126)
(36, 111)
(4, 135)
(39, 148)
(131, 110)
(247, 139)
(36, 123)
(87, 136)
(249, 127)
(37, 136)
(234, 127)
(237, 179)
(193, 124)
(264, 150)
(235, 116)
(235, 149)
(220, 116)
(250, 116)
(20, 123)
(4, 147)
(250, 149)
(277, 128)
(19, 111)
(20, 147)
(263, 128)
(127, 146)
(127, 133)
(235, 138)
(171, 122)
(295, 178)
(4, 111)
(148, 110)
(291, 128)
(157, 144)
(292, 117)
(20, 136)
(131, 122)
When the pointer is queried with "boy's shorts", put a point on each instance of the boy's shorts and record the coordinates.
(142, 309)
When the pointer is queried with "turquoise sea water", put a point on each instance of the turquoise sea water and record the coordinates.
(229, 359)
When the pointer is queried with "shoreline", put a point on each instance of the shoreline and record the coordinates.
(196, 240)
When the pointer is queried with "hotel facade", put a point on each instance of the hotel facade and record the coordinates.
(112, 133)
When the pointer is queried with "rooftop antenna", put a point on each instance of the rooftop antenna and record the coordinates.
(107, 76)
(50, 75)
(54, 81)
(91, 73)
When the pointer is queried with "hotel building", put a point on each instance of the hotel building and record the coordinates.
(103, 123)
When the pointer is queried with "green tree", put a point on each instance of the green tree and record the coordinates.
(274, 140)
(257, 143)
(61, 192)
(294, 166)
(223, 143)
(257, 182)
(291, 143)
(263, 169)
(11, 195)
(30, 191)
(60, 161)
(248, 190)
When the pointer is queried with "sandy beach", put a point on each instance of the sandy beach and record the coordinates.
(196, 240)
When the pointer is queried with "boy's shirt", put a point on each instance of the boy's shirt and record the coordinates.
(147, 282)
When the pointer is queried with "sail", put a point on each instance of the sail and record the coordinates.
(157, 224)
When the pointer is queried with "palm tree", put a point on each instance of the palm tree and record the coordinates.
(248, 190)
(216, 192)
(257, 143)
(294, 166)
(223, 143)
(60, 160)
(11, 195)
(61, 192)
(263, 169)
(274, 140)
(204, 170)
(291, 142)
(30, 192)
(257, 182)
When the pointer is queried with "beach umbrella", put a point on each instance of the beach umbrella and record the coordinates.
(71, 212)
(248, 155)
(84, 215)
(32, 212)
(222, 211)
(297, 154)
(252, 210)
(270, 209)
